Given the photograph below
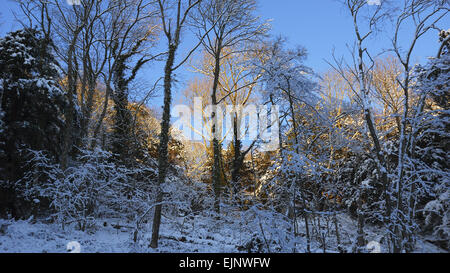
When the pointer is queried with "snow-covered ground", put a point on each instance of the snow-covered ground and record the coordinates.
(201, 234)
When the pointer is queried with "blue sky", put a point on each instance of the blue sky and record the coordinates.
(321, 25)
(318, 25)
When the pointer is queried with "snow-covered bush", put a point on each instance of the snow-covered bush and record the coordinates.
(437, 216)
(90, 187)
(269, 231)
(93, 186)
(184, 195)
(75, 193)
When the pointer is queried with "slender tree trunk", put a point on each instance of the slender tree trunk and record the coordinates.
(102, 115)
(163, 144)
(360, 240)
(336, 229)
(216, 148)
(280, 135)
(302, 195)
(382, 167)
(398, 230)
(88, 108)
(255, 174)
(237, 155)
(412, 150)
(69, 111)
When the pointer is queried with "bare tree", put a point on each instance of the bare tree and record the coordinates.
(174, 15)
(288, 81)
(134, 29)
(72, 22)
(108, 39)
(424, 15)
(359, 81)
(236, 88)
(63, 25)
(233, 24)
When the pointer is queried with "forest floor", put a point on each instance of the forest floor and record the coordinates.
(199, 233)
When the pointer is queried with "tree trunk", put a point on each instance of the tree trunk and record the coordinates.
(305, 212)
(237, 162)
(122, 115)
(163, 143)
(360, 240)
(102, 115)
(382, 167)
(398, 230)
(69, 111)
(216, 148)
